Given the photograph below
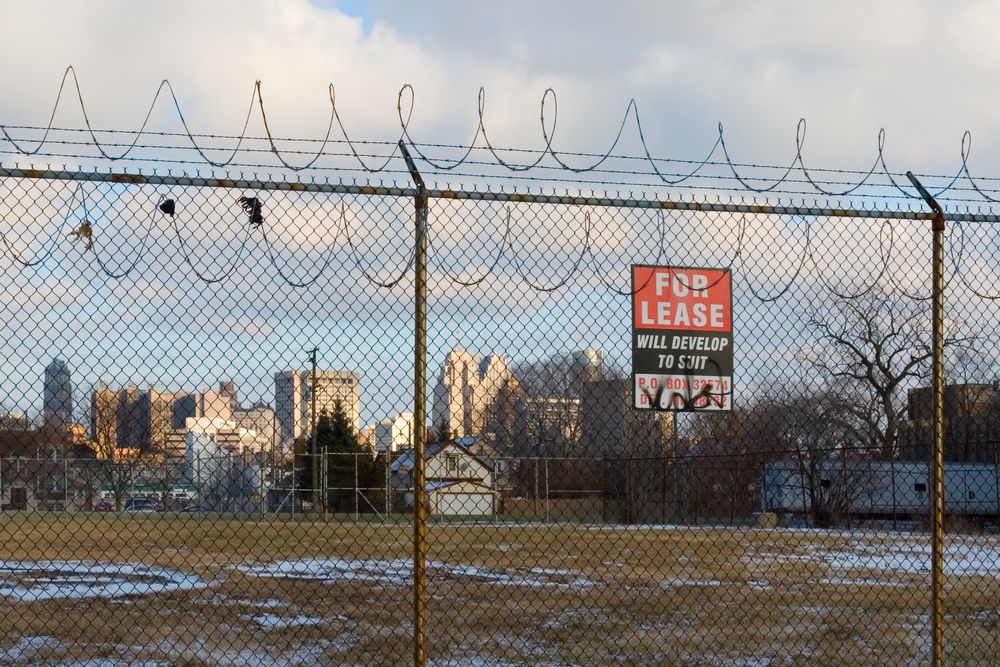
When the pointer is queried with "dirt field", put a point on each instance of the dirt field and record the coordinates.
(172, 590)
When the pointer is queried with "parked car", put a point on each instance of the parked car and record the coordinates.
(143, 505)
(104, 506)
(196, 509)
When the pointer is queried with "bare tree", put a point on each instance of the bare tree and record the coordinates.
(115, 467)
(879, 344)
(825, 433)
(820, 433)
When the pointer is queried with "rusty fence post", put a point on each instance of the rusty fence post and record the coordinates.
(937, 446)
(419, 408)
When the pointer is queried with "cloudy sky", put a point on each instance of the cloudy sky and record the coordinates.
(922, 71)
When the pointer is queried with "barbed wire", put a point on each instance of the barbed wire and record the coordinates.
(798, 171)
(508, 245)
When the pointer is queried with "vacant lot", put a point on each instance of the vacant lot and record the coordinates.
(171, 590)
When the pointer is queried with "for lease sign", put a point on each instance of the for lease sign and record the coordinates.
(682, 338)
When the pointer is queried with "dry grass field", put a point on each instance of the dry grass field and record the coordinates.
(189, 590)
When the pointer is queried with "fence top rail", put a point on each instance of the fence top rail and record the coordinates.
(368, 189)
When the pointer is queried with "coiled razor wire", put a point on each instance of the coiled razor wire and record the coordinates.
(718, 155)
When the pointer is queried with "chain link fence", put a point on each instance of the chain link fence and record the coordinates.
(207, 443)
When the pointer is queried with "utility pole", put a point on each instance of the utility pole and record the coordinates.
(313, 444)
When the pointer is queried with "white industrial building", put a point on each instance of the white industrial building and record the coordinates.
(394, 434)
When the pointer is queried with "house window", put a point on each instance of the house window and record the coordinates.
(920, 487)
(972, 495)
(451, 464)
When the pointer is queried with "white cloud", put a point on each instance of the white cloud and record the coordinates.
(916, 69)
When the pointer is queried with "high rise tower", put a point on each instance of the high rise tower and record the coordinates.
(57, 395)
(293, 399)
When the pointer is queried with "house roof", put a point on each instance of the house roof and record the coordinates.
(404, 461)
(444, 484)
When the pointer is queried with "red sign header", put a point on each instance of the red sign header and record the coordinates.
(685, 299)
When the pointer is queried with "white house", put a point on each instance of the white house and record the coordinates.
(458, 483)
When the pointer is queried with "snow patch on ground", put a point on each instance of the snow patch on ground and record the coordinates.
(674, 582)
(899, 562)
(861, 581)
(399, 572)
(27, 648)
(909, 558)
(276, 622)
(31, 581)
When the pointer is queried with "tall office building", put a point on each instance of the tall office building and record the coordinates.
(547, 426)
(133, 418)
(473, 395)
(227, 389)
(260, 420)
(293, 400)
(104, 420)
(57, 395)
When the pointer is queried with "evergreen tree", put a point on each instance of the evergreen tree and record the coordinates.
(337, 439)
(444, 433)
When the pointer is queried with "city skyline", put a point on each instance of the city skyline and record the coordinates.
(492, 369)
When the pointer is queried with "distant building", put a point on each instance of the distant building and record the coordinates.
(14, 420)
(220, 462)
(394, 434)
(971, 424)
(366, 437)
(214, 405)
(210, 403)
(547, 426)
(293, 400)
(175, 447)
(57, 395)
(104, 419)
(133, 418)
(588, 366)
(184, 405)
(261, 421)
(610, 426)
(473, 395)
(227, 389)
(208, 445)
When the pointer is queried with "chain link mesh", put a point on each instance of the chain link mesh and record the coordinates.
(180, 486)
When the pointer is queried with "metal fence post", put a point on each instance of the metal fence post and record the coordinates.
(546, 490)
(419, 405)
(937, 446)
(313, 445)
